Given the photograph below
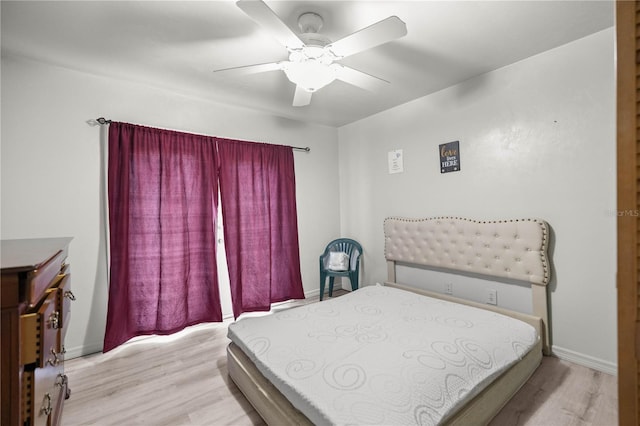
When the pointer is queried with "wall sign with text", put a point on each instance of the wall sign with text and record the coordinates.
(450, 157)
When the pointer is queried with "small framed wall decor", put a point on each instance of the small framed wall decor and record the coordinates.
(450, 157)
(395, 161)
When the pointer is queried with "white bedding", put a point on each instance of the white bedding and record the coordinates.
(382, 355)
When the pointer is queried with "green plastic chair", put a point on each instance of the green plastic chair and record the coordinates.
(353, 249)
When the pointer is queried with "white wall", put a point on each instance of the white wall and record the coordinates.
(51, 169)
(537, 139)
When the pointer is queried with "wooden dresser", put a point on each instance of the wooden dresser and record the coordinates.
(35, 302)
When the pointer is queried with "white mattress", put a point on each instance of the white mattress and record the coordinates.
(382, 355)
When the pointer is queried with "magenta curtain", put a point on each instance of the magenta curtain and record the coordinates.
(162, 212)
(257, 192)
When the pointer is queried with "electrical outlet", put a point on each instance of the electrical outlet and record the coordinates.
(492, 297)
(448, 288)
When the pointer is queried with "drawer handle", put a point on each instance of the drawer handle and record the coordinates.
(55, 361)
(69, 294)
(54, 320)
(46, 405)
(61, 380)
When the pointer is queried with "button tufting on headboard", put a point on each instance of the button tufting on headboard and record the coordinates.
(515, 249)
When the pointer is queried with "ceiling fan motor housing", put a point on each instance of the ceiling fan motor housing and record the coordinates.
(315, 39)
(310, 22)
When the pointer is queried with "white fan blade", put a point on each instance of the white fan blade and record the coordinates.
(263, 15)
(371, 36)
(301, 97)
(250, 69)
(360, 79)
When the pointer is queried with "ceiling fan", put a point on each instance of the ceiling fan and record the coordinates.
(312, 56)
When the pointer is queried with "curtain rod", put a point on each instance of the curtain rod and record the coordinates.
(103, 121)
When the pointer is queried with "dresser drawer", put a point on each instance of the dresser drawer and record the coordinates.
(38, 280)
(40, 334)
(65, 297)
(62, 289)
(43, 392)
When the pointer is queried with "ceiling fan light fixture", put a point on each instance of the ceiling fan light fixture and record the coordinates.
(310, 74)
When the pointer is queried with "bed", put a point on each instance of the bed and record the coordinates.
(367, 358)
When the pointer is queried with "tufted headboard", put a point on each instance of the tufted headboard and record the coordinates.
(513, 249)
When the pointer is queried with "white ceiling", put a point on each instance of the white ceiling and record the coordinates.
(177, 45)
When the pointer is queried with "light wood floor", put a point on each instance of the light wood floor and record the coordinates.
(182, 380)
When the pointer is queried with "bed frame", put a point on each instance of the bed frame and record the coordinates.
(515, 250)
(510, 249)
